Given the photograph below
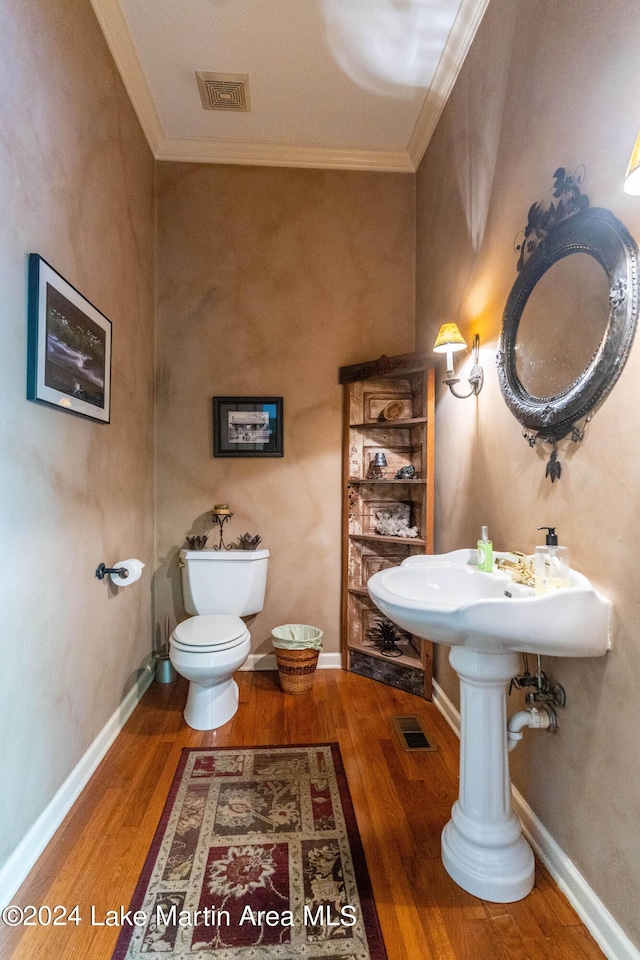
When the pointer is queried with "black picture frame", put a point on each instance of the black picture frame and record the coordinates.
(259, 433)
(69, 346)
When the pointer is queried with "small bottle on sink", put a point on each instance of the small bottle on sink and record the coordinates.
(485, 552)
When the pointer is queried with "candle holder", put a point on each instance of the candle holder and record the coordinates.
(220, 514)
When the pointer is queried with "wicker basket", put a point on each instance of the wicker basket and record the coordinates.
(296, 669)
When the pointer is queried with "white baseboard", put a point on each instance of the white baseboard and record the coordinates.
(23, 858)
(267, 661)
(604, 929)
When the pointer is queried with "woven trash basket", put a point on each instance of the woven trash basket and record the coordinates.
(297, 647)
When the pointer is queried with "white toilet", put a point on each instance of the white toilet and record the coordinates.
(219, 587)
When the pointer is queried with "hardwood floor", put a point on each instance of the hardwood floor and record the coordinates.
(402, 802)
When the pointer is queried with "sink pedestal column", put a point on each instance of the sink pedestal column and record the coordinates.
(483, 849)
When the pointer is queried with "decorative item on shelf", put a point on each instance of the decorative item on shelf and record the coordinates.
(385, 636)
(407, 473)
(393, 521)
(197, 542)
(354, 462)
(249, 542)
(377, 466)
(220, 515)
(393, 410)
(449, 341)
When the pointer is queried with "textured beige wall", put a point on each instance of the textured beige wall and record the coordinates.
(269, 280)
(76, 186)
(545, 85)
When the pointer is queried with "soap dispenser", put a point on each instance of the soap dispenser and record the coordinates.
(551, 564)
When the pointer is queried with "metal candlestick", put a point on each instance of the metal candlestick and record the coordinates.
(221, 519)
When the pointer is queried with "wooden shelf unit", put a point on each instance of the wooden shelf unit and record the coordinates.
(369, 388)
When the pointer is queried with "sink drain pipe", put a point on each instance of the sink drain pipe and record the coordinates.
(538, 719)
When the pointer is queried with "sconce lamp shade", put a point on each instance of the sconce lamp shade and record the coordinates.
(449, 339)
(632, 179)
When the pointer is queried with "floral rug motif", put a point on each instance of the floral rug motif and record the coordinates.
(257, 855)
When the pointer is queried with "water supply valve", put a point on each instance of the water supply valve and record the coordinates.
(551, 693)
(543, 690)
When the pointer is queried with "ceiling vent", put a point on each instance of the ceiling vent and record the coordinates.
(224, 91)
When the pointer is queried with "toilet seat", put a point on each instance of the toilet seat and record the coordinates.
(208, 633)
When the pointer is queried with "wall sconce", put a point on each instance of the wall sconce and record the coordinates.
(632, 178)
(448, 341)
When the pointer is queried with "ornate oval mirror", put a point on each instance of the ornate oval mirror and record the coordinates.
(570, 318)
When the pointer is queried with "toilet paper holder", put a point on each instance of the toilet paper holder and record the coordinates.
(104, 571)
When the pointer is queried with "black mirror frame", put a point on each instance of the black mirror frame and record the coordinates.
(598, 233)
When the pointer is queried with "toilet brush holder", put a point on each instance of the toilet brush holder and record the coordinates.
(165, 670)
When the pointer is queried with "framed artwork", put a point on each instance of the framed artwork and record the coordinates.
(247, 427)
(69, 346)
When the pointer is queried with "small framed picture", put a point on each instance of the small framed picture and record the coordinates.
(247, 427)
(69, 346)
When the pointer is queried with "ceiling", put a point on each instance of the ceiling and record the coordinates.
(346, 84)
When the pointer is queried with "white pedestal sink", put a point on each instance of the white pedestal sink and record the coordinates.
(487, 619)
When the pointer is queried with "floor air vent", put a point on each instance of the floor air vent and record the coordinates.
(411, 734)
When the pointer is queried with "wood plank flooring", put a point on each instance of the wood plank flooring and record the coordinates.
(402, 802)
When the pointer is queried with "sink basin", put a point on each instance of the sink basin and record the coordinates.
(487, 619)
(447, 599)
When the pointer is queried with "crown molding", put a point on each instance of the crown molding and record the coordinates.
(254, 153)
(116, 32)
(453, 56)
(211, 150)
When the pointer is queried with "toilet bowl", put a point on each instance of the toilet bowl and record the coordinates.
(207, 650)
(218, 588)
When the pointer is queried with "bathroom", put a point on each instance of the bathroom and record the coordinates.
(241, 281)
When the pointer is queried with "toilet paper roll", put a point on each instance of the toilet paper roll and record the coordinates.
(134, 569)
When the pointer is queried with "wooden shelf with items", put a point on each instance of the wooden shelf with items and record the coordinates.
(392, 480)
(415, 541)
(391, 424)
(389, 410)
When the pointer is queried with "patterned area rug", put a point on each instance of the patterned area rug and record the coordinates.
(257, 855)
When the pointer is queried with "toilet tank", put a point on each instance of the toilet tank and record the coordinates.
(224, 581)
